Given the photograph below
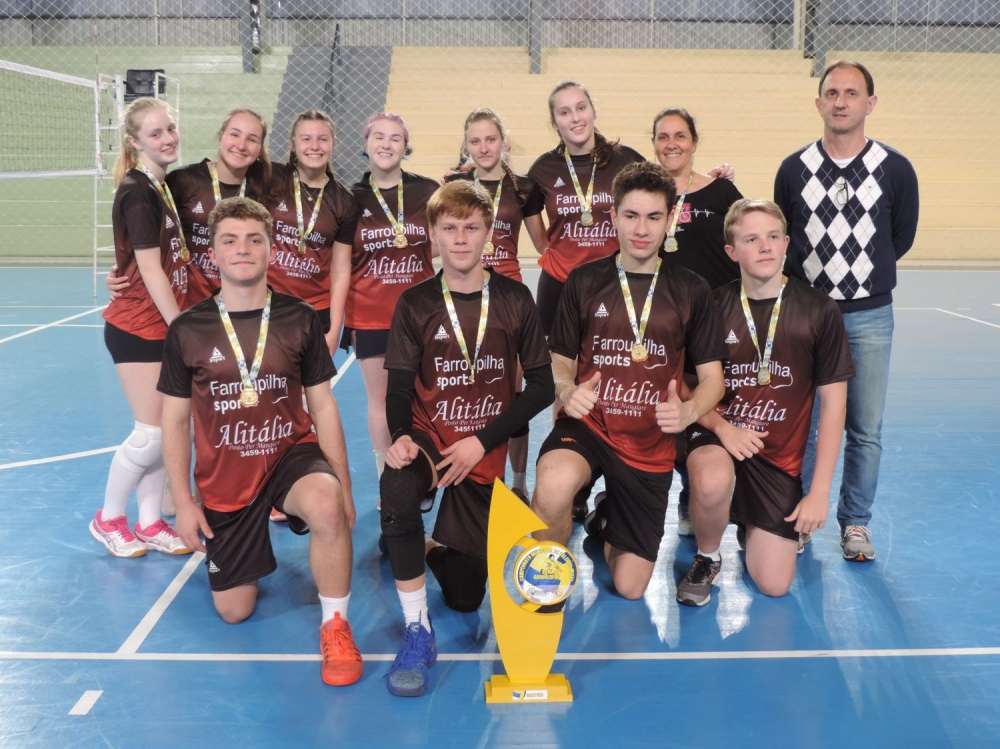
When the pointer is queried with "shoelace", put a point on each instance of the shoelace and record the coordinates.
(337, 639)
(856, 531)
(119, 525)
(411, 652)
(703, 569)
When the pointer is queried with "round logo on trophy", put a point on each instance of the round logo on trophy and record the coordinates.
(545, 573)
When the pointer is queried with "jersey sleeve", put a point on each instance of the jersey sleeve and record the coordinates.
(348, 212)
(534, 202)
(533, 352)
(404, 349)
(832, 359)
(564, 338)
(704, 332)
(143, 213)
(730, 192)
(175, 375)
(317, 366)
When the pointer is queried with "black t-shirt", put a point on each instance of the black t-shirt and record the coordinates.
(701, 244)
(592, 325)
(421, 340)
(237, 448)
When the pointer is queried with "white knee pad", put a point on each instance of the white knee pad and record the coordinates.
(142, 449)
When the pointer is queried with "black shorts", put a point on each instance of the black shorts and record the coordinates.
(126, 348)
(366, 343)
(241, 551)
(464, 515)
(764, 494)
(636, 500)
(324, 319)
(547, 300)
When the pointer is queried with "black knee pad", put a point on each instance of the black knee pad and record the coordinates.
(402, 523)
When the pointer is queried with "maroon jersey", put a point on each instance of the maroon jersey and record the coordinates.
(515, 206)
(810, 349)
(572, 244)
(380, 271)
(701, 243)
(142, 222)
(191, 187)
(237, 448)
(592, 325)
(447, 405)
(307, 276)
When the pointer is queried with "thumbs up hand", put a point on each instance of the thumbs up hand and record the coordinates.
(581, 399)
(673, 415)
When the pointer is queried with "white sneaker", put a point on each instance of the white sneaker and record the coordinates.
(116, 536)
(161, 537)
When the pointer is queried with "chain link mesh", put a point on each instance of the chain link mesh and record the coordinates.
(744, 68)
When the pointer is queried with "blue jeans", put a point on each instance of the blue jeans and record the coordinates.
(869, 334)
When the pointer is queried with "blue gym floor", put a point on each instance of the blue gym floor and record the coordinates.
(903, 652)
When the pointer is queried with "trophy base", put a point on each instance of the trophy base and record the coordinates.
(554, 688)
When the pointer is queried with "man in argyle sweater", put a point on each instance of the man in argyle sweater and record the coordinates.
(851, 205)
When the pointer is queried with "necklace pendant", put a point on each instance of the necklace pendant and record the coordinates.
(587, 219)
(639, 352)
(400, 241)
(249, 397)
(763, 378)
(488, 249)
(670, 245)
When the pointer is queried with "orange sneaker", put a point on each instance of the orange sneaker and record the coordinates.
(277, 516)
(342, 664)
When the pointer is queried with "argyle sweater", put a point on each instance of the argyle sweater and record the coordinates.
(848, 226)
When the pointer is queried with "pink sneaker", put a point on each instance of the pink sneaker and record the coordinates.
(161, 537)
(116, 536)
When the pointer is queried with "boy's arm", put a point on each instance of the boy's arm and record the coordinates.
(576, 400)
(325, 417)
(177, 459)
(810, 514)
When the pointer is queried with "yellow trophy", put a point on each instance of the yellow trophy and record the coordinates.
(545, 573)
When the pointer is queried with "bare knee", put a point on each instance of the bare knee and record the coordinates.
(320, 505)
(557, 481)
(629, 573)
(629, 587)
(236, 605)
(774, 587)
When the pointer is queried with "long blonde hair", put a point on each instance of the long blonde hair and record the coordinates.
(136, 112)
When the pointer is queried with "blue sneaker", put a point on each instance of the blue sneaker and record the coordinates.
(408, 675)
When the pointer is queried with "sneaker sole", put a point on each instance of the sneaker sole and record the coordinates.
(693, 603)
(860, 557)
(97, 535)
(174, 553)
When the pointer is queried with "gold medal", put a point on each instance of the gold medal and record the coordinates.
(400, 241)
(670, 245)
(185, 254)
(763, 377)
(488, 248)
(302, 248)
(249, 397)
(639, 352)
(248, 394)
(587, 219)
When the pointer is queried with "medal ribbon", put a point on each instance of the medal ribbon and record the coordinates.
(216, 190)
(398, 223)
(678, 205)
(588, 201)
(171, 205)
(496, 205)
(765, 360)
(305, 231)
(638, 328)
(456, 326)
(249, 379)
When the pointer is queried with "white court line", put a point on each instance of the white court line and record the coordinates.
(340, 372)
(749, 655)
(51, 324)
(142, 630)
(86, 702)
(58, 458)
(947, 312)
